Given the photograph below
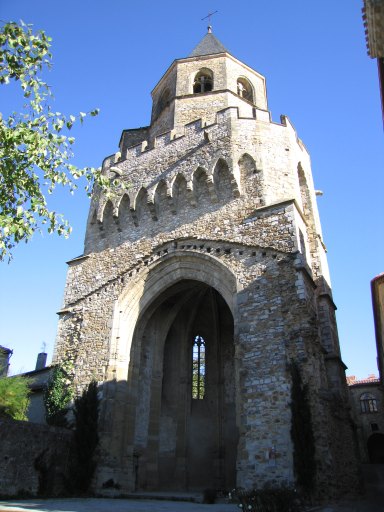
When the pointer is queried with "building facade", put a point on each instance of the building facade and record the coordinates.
(368, 412)
(377, 290)
(373, 17)
(200, 285)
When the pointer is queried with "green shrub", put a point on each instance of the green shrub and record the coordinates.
(14, 397)
(58, 395)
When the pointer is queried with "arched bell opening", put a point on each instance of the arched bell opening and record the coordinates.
(185, 435)
(203, 81)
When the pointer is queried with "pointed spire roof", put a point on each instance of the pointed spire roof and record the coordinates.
(208, 45)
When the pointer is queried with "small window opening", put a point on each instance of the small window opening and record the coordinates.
(374, 427)
(198, 368)
(368, 403)
(203, 82)
(244, 89)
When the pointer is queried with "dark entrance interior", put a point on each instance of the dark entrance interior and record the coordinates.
(376, 448)
(186, 435)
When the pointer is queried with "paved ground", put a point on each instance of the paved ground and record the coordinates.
(112, 505)
(143, 505)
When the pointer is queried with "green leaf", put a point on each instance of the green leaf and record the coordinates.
(35, 152)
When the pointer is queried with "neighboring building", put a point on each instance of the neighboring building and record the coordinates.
(377, 289)
(199, 285)
(5, 355)
(373, 16)
(39, 378)
(367, 399)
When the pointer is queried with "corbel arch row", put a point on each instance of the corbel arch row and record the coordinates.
(210, 175)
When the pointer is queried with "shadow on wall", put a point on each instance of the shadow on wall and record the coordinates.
(35, 459)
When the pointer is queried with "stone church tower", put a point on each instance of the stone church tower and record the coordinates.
(199, 286)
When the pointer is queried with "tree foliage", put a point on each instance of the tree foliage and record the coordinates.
(14, 397)
(35, 148)
(58, 395)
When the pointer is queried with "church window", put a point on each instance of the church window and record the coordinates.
(203, 81)
(198, 368)
(368, 403)
(244, 89)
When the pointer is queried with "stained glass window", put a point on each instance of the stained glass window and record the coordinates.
(198, 368)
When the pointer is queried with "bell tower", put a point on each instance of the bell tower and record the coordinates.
(203, 283)
(208, 80)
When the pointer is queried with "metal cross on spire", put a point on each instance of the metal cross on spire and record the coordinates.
(209, 20)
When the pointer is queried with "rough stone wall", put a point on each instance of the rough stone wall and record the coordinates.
(230, 204)
(274, 179)
(132, 137)
(34, 458)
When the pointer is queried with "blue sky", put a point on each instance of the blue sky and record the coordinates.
(111, 54)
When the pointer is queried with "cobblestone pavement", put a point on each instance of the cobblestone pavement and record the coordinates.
(143, 505)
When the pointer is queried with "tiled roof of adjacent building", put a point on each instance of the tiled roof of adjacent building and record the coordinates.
(373, 16)
(371, 379)
(208, 45)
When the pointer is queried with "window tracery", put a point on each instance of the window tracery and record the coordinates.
(368, 403)
(198, 368)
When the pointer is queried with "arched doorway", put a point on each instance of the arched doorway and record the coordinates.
(375, 446)
(185, 434)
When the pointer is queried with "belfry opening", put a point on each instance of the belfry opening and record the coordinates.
(185, 435)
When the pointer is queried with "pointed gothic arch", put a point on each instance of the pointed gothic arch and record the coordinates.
(250, 178)
(305, 195)
(179, 192)
(155, 319)
(200, 186)
(223, 180)
(161, 200)
(125, 216)
(108, 215)
(141, 206)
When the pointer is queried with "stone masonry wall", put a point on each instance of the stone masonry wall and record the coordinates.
(228, 198)
(34, 458)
